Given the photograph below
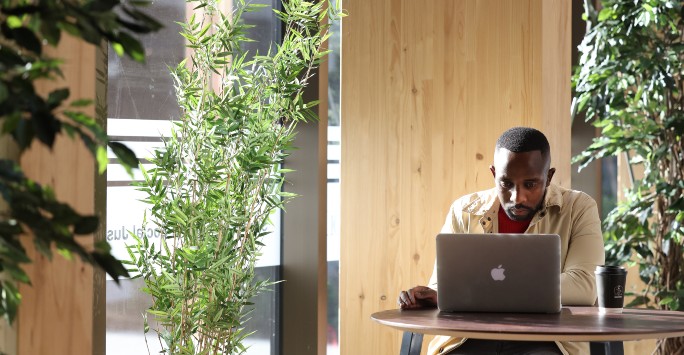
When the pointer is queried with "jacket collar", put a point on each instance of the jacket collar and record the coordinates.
(488, 201)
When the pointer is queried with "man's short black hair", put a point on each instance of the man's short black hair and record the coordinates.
(523, 139)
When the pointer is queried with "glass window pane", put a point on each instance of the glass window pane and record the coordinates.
(141, 102)
(333, 191)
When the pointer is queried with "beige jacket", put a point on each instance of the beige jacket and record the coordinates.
(571, 214)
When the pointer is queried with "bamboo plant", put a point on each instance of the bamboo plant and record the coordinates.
(630, 84)
(217, 178)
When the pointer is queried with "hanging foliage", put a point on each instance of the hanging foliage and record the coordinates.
(630, 84)
(26, 27)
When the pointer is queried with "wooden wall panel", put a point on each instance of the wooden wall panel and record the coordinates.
(427, 87)
(57, 312)
(634, 283)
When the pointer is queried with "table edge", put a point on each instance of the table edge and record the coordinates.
(535, 337)
(502, 335)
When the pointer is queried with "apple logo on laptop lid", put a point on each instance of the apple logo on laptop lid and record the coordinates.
(498, 273)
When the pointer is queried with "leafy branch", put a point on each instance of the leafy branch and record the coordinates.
(27, 116)
(630, 84)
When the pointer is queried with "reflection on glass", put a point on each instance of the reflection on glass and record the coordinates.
(333, 191)
(137, 91)
(125, 306)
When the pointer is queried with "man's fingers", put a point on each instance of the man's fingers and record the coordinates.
(401, 300)
(405, 300)
(415, 297)
(428, 294)
(412, 297)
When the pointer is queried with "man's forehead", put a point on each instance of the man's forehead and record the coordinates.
(532, 159)
(503, 153)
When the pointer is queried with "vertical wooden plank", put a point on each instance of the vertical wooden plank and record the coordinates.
(634, 283)
(427, 88)
(8, 333)
(370, 23)
(56, 315)
(556, 33)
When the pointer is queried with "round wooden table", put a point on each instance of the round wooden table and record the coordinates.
(571, 324)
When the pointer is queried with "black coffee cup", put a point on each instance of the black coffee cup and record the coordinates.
(610, 286)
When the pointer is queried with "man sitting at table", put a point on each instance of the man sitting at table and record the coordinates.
(527, 203)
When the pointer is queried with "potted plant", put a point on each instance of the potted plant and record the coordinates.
(217, 178)
(630, 83)
(26, 27)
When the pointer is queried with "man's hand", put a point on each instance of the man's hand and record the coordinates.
(417, 297)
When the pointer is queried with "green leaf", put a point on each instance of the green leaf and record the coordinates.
(27, 39)
(102, 5)
(12, 298)
(56, 97)
(605, 14)
(125, 155)
(65, 253)
(118, 48)
(638, 301)
(81, 103)
(102, 159)
(111, 266)
(131, 47)
(50, 31)
(204, 29)
(14, 22)
(16, 273)
(4, 93)
(45, 126)
(86, 225)
(666, 301)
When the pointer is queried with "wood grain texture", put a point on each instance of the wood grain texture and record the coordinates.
(56, 315)
(427, 87)
(8, 334)
(634, 283)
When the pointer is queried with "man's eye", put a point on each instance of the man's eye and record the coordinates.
(506, 184)
(530, 185)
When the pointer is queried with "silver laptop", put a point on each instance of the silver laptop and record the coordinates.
(498, 273)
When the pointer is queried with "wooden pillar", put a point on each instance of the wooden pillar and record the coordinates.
(428, 86)
(64, 308)
(634, 283)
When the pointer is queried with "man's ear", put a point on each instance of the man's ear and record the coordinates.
(549, 176)
(491, 168)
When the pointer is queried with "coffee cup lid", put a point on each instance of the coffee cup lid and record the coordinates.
(610, 269)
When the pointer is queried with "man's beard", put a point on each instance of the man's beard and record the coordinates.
(511, 212)
(508, 209)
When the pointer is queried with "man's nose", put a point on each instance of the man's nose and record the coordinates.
(518, 196)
